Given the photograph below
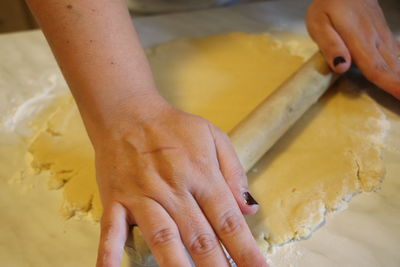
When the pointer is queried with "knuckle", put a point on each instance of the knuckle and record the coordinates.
(104, 260)
(176, 184)
(384, 67)
(163, 236)
(230, 223)
(386, 37)
(223, 134)
(203, 244)
(107, 227)
(382, 70)
(105, 253)
(379, 44)
(204, 166)
(237, 171)
(202, 162)
(175, 198)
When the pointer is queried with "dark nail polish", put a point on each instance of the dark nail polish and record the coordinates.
(338, 60)
(249, 199)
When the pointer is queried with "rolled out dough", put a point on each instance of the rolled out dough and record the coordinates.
(331, 154)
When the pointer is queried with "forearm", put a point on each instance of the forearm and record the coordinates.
(99, 53)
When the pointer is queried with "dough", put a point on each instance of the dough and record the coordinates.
(222, 77)
(331, 154)
(64, 149)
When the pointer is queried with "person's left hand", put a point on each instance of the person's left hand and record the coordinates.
(356, 30)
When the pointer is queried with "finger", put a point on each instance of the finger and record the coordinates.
(382, 27)
(386, 44)
(197, 234)
(160, 233)
(361, 42)
(114, 230)
(233, 172)
(390, 55)
(229, 224)
(374, 67)
(330, 42)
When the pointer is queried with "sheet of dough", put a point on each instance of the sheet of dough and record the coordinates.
(331, 154)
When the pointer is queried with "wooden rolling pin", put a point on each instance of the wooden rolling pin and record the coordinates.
(254, 135)
(259, 131)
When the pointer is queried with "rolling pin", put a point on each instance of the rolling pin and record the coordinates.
(259, 131)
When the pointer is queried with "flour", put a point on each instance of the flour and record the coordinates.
(28, 110)
(333, 151)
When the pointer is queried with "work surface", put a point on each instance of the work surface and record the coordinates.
(32, 233)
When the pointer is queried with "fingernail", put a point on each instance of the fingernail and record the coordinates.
(338, 60)
(249, 199)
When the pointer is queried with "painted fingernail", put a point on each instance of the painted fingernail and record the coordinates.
(249, 199)
(338, 60)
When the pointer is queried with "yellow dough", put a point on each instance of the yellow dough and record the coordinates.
(331, 154)
(64, 148)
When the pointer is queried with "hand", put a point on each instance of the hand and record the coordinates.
(347, 30)
(178, 178)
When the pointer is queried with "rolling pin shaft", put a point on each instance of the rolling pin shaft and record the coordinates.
(260, 130)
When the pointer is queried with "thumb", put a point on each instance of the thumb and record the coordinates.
(233, 172)
(114, 231)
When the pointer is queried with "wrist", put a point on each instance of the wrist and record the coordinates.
(115, 118)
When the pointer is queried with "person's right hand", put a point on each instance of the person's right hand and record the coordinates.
(178, 178)
(356, 30)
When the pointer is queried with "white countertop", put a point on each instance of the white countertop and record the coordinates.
(32, 233)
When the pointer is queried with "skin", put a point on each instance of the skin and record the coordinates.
(357, 31)
(173, 174)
